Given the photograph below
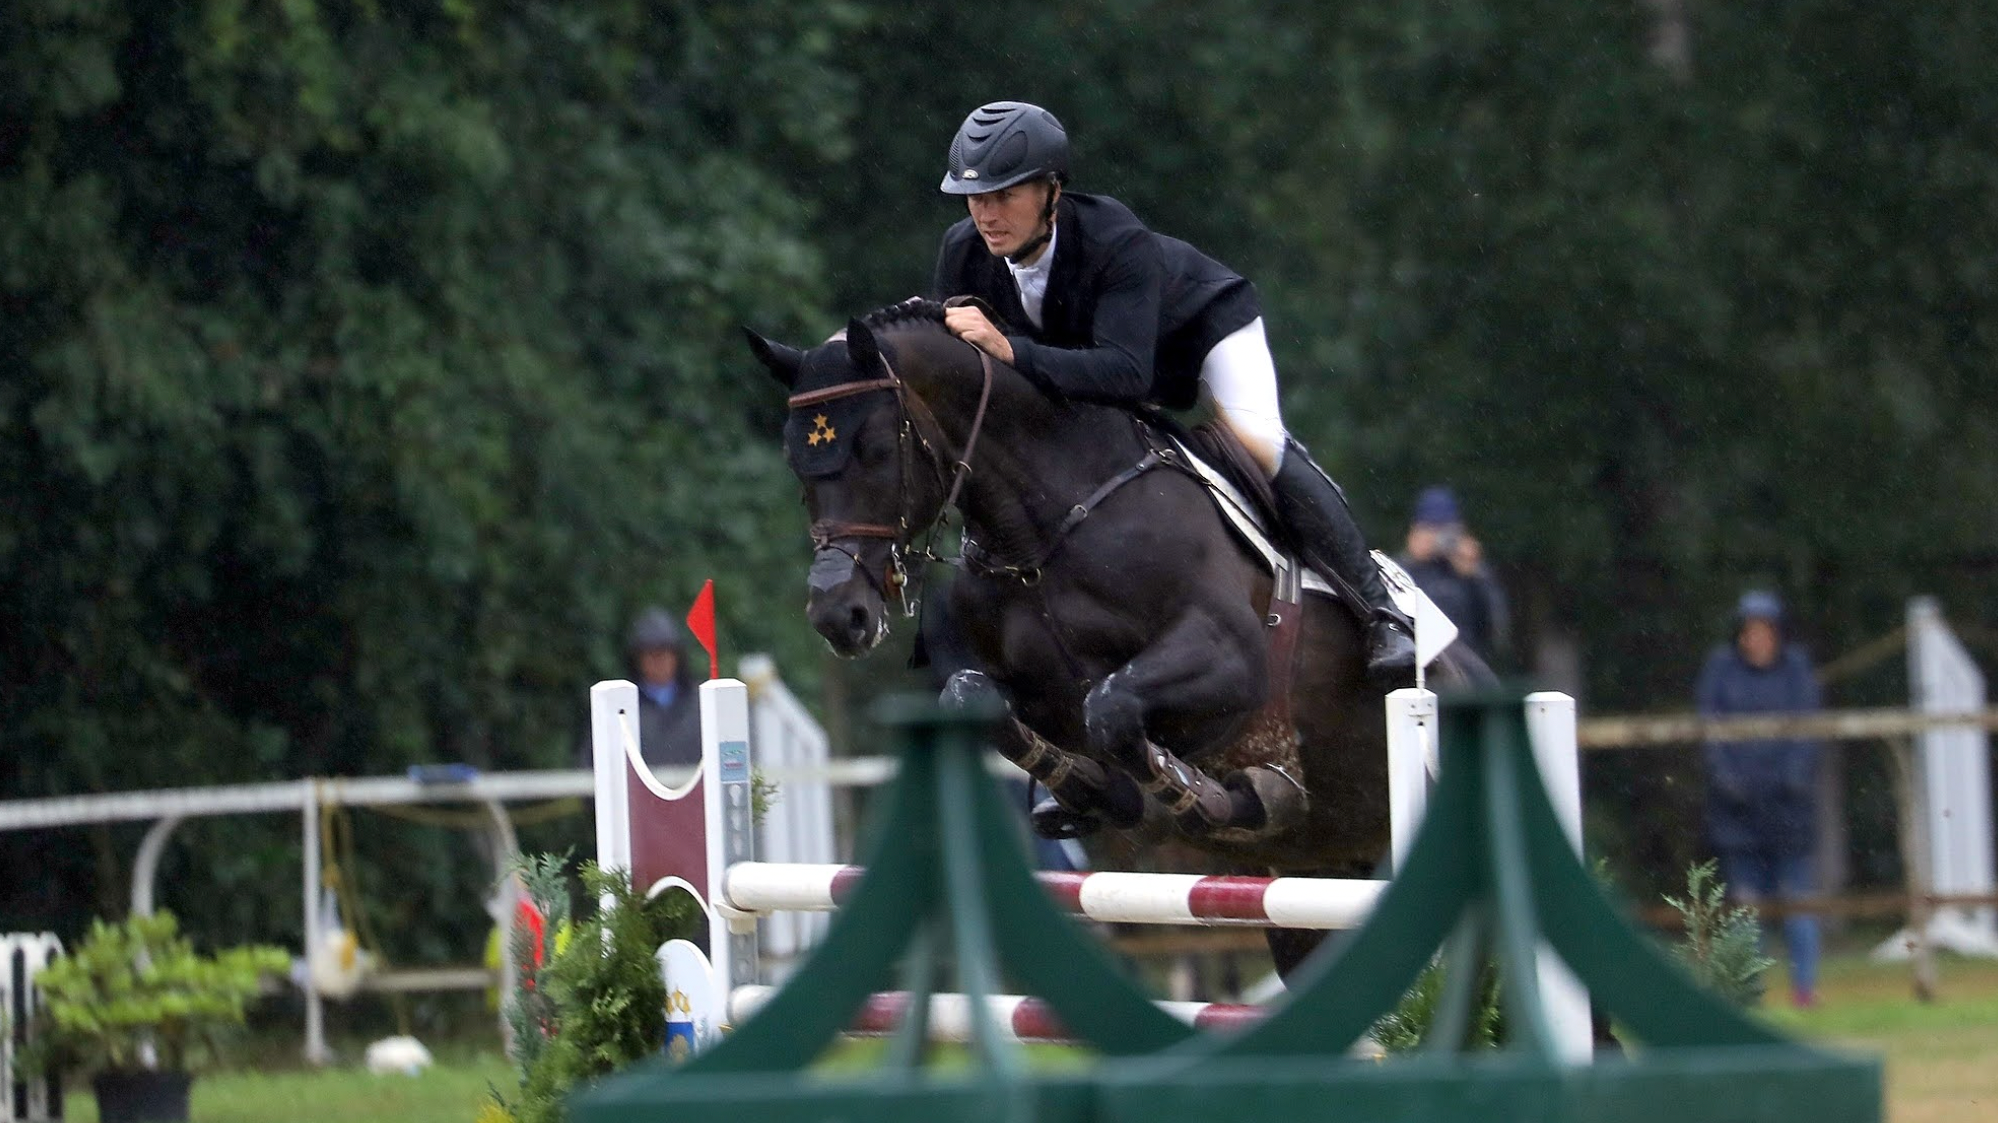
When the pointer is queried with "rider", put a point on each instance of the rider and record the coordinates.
(1107, 311)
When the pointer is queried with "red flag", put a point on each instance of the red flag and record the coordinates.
(701, 621)
(529, 919)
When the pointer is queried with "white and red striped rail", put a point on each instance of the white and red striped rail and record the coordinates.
(1017, 1018)
(1131, 898)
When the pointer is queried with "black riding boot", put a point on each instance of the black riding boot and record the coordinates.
(1321, 527)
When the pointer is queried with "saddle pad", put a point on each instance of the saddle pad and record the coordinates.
(1433, 630)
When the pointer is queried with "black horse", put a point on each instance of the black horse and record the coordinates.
(1124, 624)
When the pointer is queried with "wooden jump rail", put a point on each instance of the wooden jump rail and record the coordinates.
(1831, 725)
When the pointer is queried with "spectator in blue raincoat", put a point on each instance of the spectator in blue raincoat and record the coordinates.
(1762, 795)
(1449, 564)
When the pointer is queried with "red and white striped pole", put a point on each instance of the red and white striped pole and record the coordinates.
(1130, 898)
(1018, 1018)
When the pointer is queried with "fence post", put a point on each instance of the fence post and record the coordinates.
(316, 1052)
(1550, 727)
(1411, 748)
(731, 820)
(22, 957)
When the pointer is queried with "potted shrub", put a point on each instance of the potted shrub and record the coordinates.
(136, 1007)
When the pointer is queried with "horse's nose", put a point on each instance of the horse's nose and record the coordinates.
(850, 621)
(852, 629)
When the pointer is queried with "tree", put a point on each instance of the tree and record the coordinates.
(369, 366)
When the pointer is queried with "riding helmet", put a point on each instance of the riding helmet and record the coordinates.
(1004, 143)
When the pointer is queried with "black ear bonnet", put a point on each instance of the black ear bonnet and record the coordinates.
(818, 439)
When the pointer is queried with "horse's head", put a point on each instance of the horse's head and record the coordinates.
(872, 477)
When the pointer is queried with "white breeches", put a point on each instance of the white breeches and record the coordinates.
(1239, 377)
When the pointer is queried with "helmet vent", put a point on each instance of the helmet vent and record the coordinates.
(1008, 155)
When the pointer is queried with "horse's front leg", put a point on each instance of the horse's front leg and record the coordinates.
(1087, 795)
(1199, 665)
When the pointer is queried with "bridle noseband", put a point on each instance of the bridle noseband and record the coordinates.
(915, 417)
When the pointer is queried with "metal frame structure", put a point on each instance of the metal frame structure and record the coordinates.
(1490, 875)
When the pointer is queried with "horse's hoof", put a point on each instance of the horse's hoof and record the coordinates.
(1052, 820)
(967, 688)
(1283, 799)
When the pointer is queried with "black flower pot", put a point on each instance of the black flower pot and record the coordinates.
(141, 1096)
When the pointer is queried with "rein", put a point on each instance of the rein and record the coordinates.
(916, 415)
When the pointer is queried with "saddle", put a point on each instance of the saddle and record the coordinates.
(1216, 446)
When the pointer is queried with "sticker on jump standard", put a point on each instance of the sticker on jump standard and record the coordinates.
(735, 762)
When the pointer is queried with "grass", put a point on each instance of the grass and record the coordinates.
(447, 1093)
(1942, 1058)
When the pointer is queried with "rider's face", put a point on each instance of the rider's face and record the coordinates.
(1010, 216)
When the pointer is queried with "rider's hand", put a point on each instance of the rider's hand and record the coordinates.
(970, 325)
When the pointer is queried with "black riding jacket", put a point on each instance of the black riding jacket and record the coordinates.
(1129, 315)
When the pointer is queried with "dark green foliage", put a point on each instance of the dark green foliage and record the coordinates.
(599, 1004)
(1722, 947)
(530, 1010)
(365, 368)
(1402, 1029)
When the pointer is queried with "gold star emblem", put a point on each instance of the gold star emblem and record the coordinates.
(821, 432)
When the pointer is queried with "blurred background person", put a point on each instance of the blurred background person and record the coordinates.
(669, 708)
(1449, 565)
(1762, 795)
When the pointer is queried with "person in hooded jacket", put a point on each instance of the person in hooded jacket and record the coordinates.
(669, 705)
(1099, 308)
(1762, 795)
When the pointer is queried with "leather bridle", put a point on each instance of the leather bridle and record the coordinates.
(916, 417)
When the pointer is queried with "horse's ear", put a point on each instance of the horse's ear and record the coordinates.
(863, 349)
(783, 362)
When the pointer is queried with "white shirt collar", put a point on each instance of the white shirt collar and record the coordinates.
(1032, 280)
(1040, 266)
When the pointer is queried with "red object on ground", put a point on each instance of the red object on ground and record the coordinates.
(701, 622)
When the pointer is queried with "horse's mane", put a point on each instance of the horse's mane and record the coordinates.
(915, 310)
